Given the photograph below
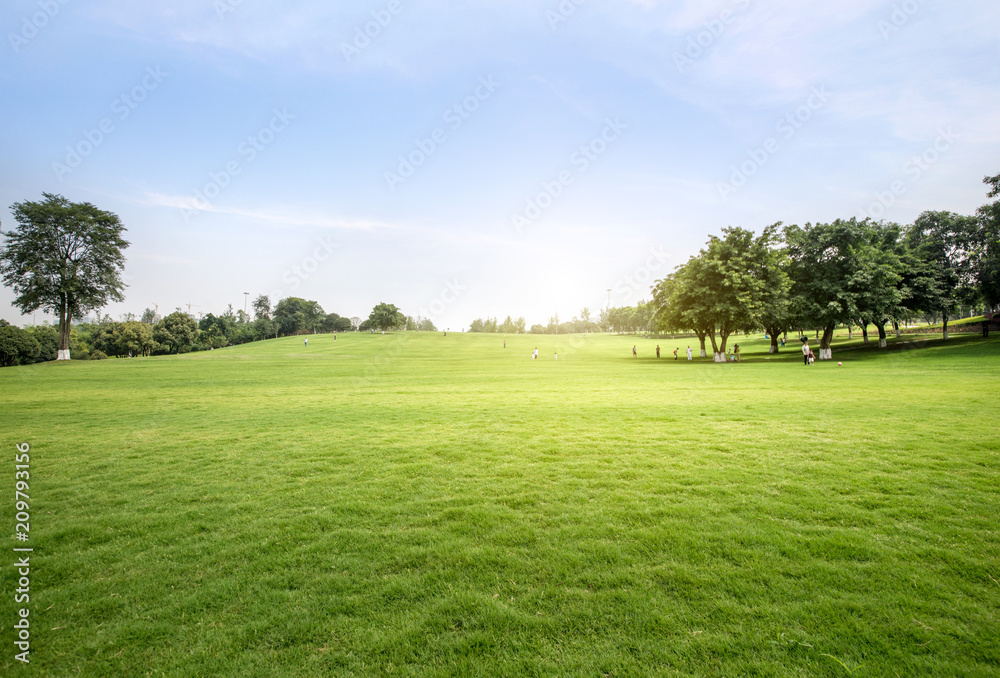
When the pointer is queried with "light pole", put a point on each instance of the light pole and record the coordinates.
(609, 308)
(246, 295)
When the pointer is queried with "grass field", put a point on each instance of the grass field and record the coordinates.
(413, 504)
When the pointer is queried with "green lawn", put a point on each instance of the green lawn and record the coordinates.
(413, 504)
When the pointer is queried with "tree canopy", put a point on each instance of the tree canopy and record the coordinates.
(385, 317)
(64, 257)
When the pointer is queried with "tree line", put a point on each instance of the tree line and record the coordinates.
(820, 276)
(179, 332)
(67, 258)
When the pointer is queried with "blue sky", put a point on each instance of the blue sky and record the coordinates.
(482, 158)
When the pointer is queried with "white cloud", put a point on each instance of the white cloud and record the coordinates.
(282, 216)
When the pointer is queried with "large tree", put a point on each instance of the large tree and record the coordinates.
(986, 244)
(731, 285)
(294, 315)
(65, 258)
(385, 317)
(940, 245)
(879, 277)
(262, 307)
(17, 347)
(176, 333)
(679, 305)
(833, 267)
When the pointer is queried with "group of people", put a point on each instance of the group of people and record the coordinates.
(534, 354)
(807, 355)
(733, 355)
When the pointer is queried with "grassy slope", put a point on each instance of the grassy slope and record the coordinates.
(419, 504)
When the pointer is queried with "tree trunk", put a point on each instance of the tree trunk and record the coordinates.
(715, 346)
(773, 332)
(881, 334)
(719, 352)
(701, 339)
(895, 326)
(864, 331)
(944, 326)
(825, 352)
(64, 321)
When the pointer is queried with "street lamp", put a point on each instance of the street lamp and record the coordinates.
(246, 295)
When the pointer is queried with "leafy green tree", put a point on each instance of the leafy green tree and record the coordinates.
(47, 337)
(940, 244)
(731, 285)
(133, 338)
(265, 328)
(17, 347)
(775, 301)
(986, 246)
(335, 323)
(149, 316)
(262, 307)
(679, 306)
(103, 337)
(878, 277)
(385, 317)
(217, 331)
(176, 333)
(294, 315)
(832, 266)
(65, 258)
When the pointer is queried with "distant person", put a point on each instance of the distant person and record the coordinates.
(657, 350)
(634, 354)
(782, 340)
(806, 351)
(534, 356)
(555, 356)
(689, 353)
(335, 336)
(505, 343)
(675, 354)
(307, 342)
(736, 352)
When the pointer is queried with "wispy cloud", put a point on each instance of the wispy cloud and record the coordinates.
(280, 216)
